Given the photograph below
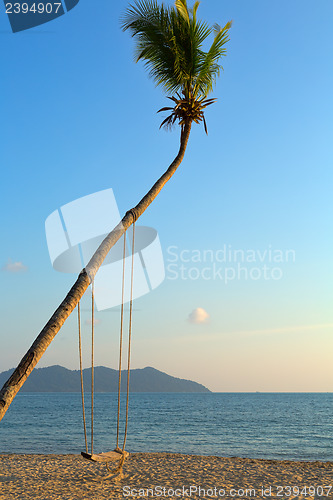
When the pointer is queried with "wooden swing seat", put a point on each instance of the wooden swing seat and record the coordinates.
(108, 456)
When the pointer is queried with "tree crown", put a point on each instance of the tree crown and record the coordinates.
(170, 42)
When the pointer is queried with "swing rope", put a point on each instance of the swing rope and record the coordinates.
(92, 366)
(121, 336)
(81, 373)
(129, 338)
(92, 373)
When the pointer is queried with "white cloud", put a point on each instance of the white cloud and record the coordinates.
(14, 267)
(198, 316)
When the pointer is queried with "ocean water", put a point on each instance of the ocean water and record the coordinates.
(256, 425)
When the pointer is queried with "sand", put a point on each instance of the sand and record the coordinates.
(162, 475)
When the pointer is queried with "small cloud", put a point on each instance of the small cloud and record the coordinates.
(14, 267)
(88, 322)
(198, 316)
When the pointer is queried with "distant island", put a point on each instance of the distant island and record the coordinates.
(59, 379)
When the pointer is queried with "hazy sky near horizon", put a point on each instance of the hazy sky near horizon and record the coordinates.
(79, 117)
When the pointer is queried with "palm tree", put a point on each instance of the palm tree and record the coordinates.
(169, 40)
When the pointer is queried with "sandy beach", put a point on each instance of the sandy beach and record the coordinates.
(162, 475)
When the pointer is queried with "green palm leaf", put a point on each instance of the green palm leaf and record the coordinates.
(169, 40)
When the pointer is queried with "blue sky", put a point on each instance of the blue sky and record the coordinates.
(78, 116)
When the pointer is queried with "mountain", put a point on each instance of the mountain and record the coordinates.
(59, 379)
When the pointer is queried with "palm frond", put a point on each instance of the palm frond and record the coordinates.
(210, 69)
(169, 40)
(181, 6)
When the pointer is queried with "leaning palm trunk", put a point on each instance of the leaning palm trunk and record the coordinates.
(85, 278)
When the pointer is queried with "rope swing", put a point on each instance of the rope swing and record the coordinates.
(118, 454)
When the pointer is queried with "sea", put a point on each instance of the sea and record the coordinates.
(282, 426)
